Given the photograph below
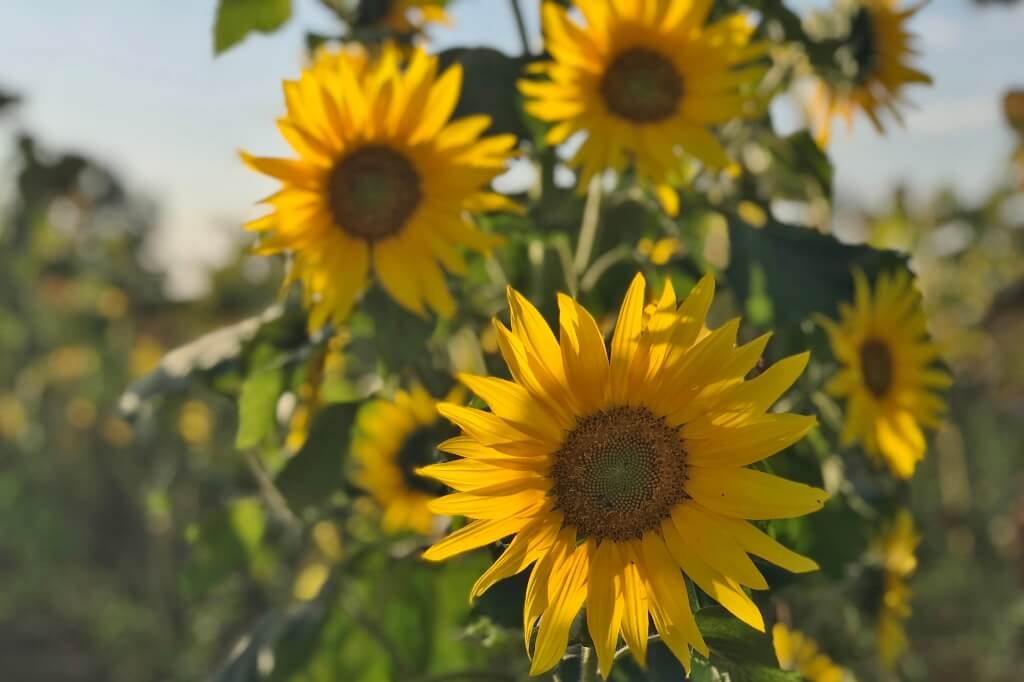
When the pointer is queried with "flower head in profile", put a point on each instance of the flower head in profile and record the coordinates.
(619, 470)
(799, 653)
(383, 178)
(877, 72)
(644, 79)
(404, 17)
(888, 377)
(894, 552)
(391, 441)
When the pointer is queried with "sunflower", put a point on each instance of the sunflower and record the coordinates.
(644, 80)
(382, 177)
(894, 551)
(392, 439)
(888, 378)
(880, 47)
(401, 16)
(799, 653)
(618, 474)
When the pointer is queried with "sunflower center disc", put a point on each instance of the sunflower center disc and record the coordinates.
(642, 86)
(418, 450)
(619, 473)
(862, 46)
(876, 366)
(372, 192)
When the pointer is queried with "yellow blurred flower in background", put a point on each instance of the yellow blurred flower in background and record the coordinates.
(195, 424)
(383, 178)
(644, 80)
(619, 474)
(392, 440)
(878, 71)
(894, 550)
(799, 653)
(888, 376)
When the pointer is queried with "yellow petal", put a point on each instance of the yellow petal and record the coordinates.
(529, 545)
(583, 353)
(626, 339)
(708, 444)
(604, 609)
(634, 613)
(713, 543)
(749, 494)
(513, 403)
(570, 589)
(668, 593)
(474, 534)
(760, 544)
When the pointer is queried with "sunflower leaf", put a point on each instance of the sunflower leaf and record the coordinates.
(731, 640)
(313, 474)
(809, 271)
(236, 19)
(258, 400)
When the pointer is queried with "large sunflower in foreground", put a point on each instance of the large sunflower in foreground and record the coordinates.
(644, 80)
(799, 653)
(392, 439)
(888, 376)
(894, 550)
(881, 48)
(382, 177)
(618, 474)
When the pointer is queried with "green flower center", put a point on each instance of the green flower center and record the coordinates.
(619, 473)
(372, 192)
(876, 367)
(642, 86)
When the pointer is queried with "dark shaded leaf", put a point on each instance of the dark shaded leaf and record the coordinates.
(489, 87)
(314, 473)
(810, 272)
(222, 544)
(236, 19)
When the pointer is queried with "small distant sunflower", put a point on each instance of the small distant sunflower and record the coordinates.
(382, 177)
(401, 16)
(644, 80)
(799, 653)
(881, 47)
(392, 439)
(894, 551)
(888, 376)
(619, 474)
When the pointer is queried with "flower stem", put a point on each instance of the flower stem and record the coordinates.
(588, 664)
(521, 26)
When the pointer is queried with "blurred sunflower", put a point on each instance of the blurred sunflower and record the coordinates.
(392, 439)
(888, 378)
(382, 177)
(617, 476)
(644, 80)
(799, 653)
(401, 16)
(894, 550)
(880, 47)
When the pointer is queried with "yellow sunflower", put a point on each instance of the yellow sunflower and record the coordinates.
(382, 176)
(894, 550)
(391, 440)
(644, 79)
(880, 49)
(618, 473)
(888, 378)
(799, 653)
(403, 16)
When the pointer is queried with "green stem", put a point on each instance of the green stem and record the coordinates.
(588, 665)
(521, 26)
(588, 229)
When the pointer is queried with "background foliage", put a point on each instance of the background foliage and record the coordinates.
(165, 516)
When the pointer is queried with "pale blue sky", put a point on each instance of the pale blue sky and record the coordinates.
(134, 83)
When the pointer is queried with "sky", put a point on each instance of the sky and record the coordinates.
(135, 85)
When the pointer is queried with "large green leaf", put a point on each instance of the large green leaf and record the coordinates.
(800, 271)
(314, 473)
(488, 87)
(238, 18)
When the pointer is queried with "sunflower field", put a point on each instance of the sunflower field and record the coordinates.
(563, 364)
